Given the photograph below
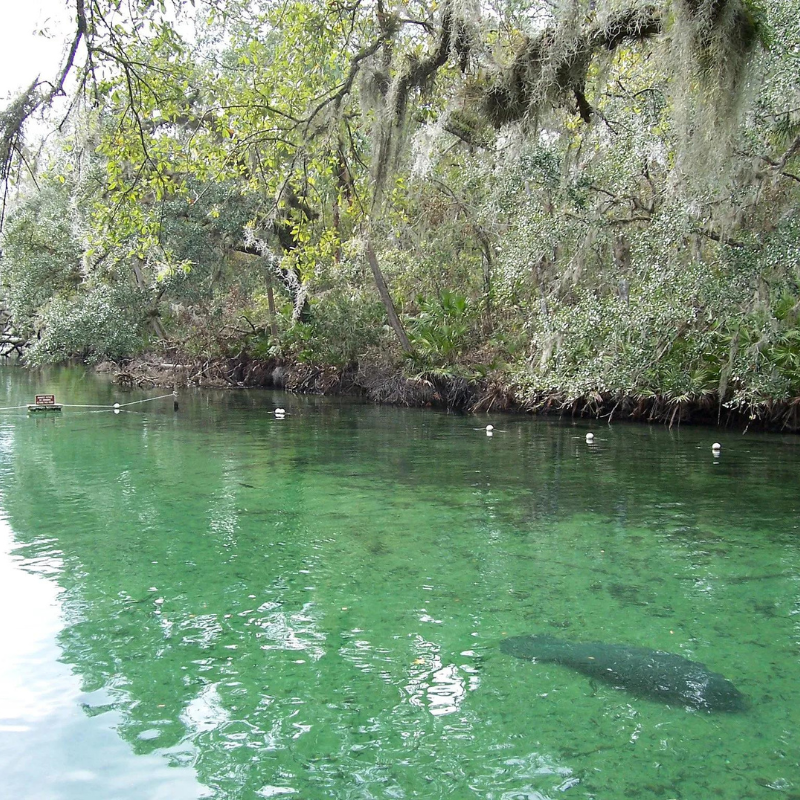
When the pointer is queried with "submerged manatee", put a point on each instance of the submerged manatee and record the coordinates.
(648, 673)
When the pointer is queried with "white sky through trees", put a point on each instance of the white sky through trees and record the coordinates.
(33, 37)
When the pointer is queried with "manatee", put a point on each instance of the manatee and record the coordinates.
(644, 672)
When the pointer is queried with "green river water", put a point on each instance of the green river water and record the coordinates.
(217, 603)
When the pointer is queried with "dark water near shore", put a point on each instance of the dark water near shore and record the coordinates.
(216, 603)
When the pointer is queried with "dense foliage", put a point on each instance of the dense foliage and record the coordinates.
(577, 199)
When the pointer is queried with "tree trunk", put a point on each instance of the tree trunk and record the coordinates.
(273, 325)
(273, 318)
(154, 318)
(388, 303)
(486, 260)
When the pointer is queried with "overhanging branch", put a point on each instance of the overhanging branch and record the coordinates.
(552, 66)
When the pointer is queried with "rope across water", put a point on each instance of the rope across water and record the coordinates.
(117, 405)
(108, 407)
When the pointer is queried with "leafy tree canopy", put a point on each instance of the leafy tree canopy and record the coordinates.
(590, 195)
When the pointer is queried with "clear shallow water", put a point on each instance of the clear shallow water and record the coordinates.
(216, 603)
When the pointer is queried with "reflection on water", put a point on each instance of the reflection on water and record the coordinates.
(51, 744)
(220, 603)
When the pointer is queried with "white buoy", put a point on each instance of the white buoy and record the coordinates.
(489, 428)
(488, 432)
(716, 447)
(116, 405)
(589, 437)
(280, 410)
(116, 411)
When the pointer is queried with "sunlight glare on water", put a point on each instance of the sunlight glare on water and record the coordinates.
(221, 603)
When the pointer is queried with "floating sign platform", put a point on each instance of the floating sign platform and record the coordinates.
(44, 402)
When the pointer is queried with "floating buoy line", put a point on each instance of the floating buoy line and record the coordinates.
(46, 404)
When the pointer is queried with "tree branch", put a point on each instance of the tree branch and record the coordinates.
(552, 66)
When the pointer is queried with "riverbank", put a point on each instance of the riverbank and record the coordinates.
(381, 382)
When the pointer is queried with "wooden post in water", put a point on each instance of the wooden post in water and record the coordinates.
(175, 396)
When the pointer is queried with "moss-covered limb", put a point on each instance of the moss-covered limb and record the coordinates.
(12, 121)
(336, 99)
(469, 128)
(551, 67)
(40, 94)
(736, 18)
(415, 73)
(633, 24)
